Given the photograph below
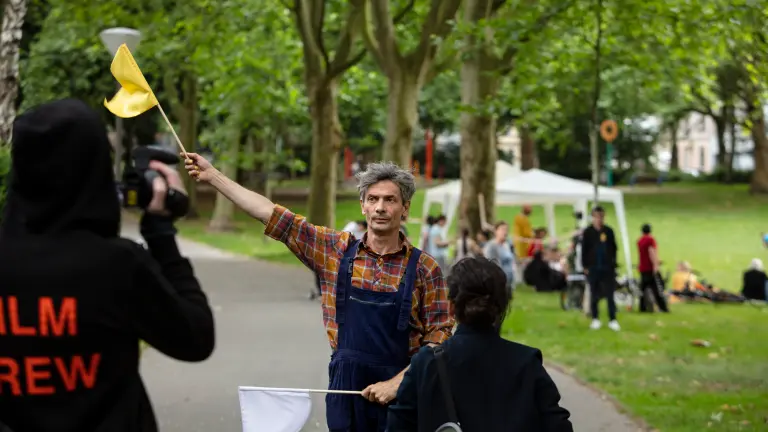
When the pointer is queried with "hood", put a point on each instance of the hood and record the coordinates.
(61, 173)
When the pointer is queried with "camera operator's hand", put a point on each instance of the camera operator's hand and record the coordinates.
(199, 168)
(170, 179)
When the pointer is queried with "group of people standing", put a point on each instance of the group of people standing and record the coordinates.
(494, 245)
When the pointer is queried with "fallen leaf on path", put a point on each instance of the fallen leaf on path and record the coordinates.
(653, 337)
(561, 324)
(659, 323)
(713, 355)
(620, 361)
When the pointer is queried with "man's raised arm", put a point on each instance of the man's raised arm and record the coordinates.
(257, 206)
(309, 243)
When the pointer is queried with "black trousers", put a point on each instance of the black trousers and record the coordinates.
(602, 284)
(653, 282)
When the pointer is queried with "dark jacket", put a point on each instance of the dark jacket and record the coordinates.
(592, 237)
(75, 298)
(497, 386)
(754, 285)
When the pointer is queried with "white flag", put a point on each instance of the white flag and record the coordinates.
(265, 409)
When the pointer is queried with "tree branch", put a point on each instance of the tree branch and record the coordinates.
(318, 21)
(497, 4)
(312, 52)
(537, 27)
(344, 48)
(384, 30)
(705, 103)
(356, 21)
(436, 24)
(441, 66)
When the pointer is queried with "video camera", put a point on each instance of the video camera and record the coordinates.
(136, 186)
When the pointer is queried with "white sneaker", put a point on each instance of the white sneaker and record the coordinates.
(614, 325)
(596, 324)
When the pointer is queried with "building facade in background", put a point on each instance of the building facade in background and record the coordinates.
(697, 148)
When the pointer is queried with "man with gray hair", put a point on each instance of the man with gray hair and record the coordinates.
(382, 298)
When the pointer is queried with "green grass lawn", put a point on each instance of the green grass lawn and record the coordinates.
(650, 366)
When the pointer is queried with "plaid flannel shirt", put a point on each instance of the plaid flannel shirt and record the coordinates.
(321, 249)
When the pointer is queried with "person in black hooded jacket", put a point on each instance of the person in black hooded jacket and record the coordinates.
(75, 298)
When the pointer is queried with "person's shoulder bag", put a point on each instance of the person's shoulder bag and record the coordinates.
(453, 424)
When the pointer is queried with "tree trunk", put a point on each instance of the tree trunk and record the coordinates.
(674, 163)
(224, 210)
(326, 142)
(478, 127)
(528, 159)
(759, 183)
(402, 117)
(257, 175)
(732, 150)
(722, 152)
(188, 121)
(10, 39)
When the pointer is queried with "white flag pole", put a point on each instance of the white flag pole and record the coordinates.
(293, 390)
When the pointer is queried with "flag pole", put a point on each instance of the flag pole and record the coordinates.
(293, 390)
(168, 122)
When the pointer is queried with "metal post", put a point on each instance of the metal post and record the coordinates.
(119, 133)
(593, 150)
(608, 164)
(112, 39)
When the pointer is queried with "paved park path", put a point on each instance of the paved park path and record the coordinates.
(269, 334)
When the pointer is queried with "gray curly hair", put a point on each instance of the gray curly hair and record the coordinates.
(382, 171)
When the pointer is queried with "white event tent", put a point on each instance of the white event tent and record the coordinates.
(537, 187)
(448, 194)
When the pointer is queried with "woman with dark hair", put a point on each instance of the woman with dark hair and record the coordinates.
(494, 385)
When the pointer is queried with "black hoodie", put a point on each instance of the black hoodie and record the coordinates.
(75, 298)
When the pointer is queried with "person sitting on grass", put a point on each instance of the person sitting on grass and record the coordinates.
(537, 244)
(755, 282)
(495, 385)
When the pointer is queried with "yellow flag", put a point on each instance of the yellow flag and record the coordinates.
(135, 96)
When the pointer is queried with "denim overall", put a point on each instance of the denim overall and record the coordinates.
(373, 345)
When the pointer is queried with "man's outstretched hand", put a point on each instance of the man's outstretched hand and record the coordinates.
(382, 392)
(198, 168)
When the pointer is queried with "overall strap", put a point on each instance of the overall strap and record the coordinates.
(344, 279)
(445, 384)
(407, 285)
